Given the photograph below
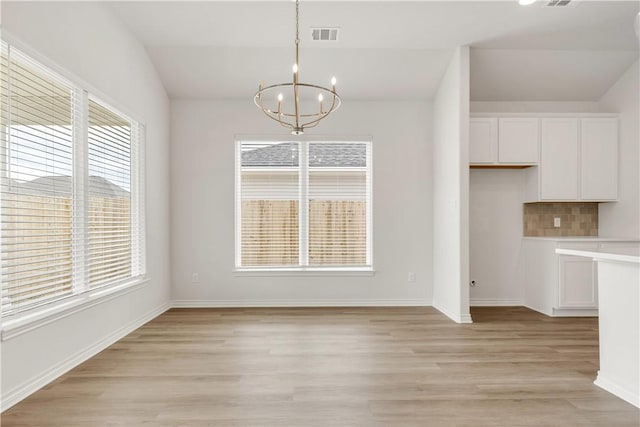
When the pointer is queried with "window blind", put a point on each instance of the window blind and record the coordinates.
(138, 200)
(109, 218)
(338, 204)
(72, 188)
(303, 204)
(269, 197)
(37, 174)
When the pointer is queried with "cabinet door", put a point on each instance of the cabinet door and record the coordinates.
(559, 159)
(518, 140)
(483, 140)
(599, 157)
(577, 283)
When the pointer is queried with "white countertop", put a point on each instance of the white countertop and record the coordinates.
(630, 254)
(584, 239)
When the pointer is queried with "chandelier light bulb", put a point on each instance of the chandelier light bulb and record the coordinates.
(320, 97)
(280, 97)
(295, 68)
(333, 81)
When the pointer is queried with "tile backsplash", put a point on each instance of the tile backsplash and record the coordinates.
(576, 219)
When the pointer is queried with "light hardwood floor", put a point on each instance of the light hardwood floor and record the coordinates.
(337, 367)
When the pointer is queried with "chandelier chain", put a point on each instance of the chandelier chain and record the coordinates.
(297, 22)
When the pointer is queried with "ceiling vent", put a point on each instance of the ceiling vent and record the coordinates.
(325, 34)
(561, 3)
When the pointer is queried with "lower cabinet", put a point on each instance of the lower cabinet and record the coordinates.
(561, 285)
(577, 282)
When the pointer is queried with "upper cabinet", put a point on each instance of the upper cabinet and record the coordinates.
(572, 157)
(599, 159)
(504, 141)
(483, 140)
(518, 140)
(559, 160)
(578, 161)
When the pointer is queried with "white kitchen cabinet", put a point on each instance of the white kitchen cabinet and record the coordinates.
(559, 161)
(503, 141)
(578, 161)
(563, 285)
(483, 140)
(599, 159)
(577, 282)
(518, 140)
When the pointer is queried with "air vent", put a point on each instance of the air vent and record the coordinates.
(561, 3)
(326, 34)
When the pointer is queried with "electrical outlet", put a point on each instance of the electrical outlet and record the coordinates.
(195, 278)
(556, 221)
(411, 276)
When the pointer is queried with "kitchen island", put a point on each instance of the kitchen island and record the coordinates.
(618, 272)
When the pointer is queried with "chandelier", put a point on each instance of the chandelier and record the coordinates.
(273, 102)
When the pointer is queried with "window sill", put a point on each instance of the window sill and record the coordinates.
(334, 272)
(20, 323)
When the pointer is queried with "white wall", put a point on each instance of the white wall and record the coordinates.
(202, 222)
(87, 41)
(622, 219)
(495, 236)
(451, 190)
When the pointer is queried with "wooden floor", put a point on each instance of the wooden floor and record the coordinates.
(337, 367)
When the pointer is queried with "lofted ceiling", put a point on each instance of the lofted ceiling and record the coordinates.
(388, 49)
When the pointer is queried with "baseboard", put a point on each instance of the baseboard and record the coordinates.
(627, 395)
(465, 318)
(21, 392)
(245, 303)
(488, 302)
(538, 310)
(574, 312)
(458, 318)
(566, 312)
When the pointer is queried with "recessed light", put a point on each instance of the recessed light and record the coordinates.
(526, 2)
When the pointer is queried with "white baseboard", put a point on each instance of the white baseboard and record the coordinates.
(566, 312)
(465, 318)
(19, 393)
(574, 312)
(538, 310)
(488, 302)
(299, 303)
(612, 387)
(458, 318)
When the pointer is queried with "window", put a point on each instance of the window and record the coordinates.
(70, 201)
(303, 205)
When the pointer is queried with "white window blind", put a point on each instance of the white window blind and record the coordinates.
(71, 193)
(338, 204)
(303, 204)
(109, 160)
(269, 198)
(37, 174)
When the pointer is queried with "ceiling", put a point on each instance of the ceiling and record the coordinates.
(388, 49)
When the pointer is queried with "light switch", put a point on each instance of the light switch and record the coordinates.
(556, 221)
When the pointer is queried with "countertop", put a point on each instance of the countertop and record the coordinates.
(630, 254)
(584, 239)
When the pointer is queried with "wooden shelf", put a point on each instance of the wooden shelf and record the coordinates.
(500, 166)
